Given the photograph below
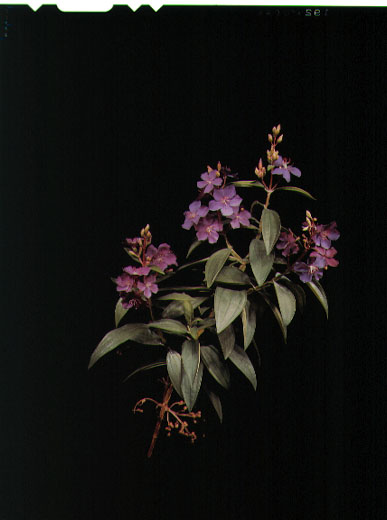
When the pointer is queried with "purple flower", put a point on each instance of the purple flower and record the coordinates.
(136, 271)
(161, 257)
(196, 211)
(312, 270)
(324, 234)
(327, 256)
(207, 229)
(210, 179)
(240, 218)
(287, 242)
(226, 200)
(148, 286)
(283, 168)
(124, 283)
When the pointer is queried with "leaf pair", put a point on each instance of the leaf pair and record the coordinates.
(185, 371)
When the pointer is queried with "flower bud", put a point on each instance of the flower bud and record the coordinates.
(270, 138)
(279, 140)
(278, 129)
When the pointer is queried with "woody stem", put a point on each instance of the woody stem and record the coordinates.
(164, 406)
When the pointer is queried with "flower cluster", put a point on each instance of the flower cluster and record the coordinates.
(224, 208)
(136, 284)
(318, 243)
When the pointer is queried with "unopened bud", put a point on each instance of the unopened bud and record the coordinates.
(270, 138)
(278, 129)
(279, 140)
(219, 166)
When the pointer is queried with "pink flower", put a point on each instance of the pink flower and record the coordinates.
(210, 180)
(148, 286)
(207, 229)
(161, 257)
(226, 200)
(196, 211)
(240, 218)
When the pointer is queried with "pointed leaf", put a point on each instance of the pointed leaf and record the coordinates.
(248, 184)
(171, 326)
(215, 365)
(318, 291)
(297, 290)
(156, 269)
(119, 312)
(214, 398)
(190, 390)
(193, 246)
(271, 227)
(175, 296)
(190, 356)
(190, 264)
(214, 265)
(277, 316)
(249, 319)
(188, 311)
(228, 304)
(232, 275)
(286, 301)
(174, 370)
(177, 307)
(261, 263)
(242, 361)
(145, 367)
(227, 340)
(298, 190)
(136, 332)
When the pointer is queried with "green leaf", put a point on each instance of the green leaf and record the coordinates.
(215, 365)
(190, 356)
(261, 263)
(185, 288)
(188, 312)
(174, 370)
(232, 275)
(214, 398)
(228, 304)
(171, 326)
(249, 320)
(176, 297)
(190, 390)
(156, 364)
(136, 332)
(242, 361)
(271, 227)
(156, 269)
(298, 190)
(297, 290)
(227, 340)
(214, 265)
(177, 308)
(277, 316)
(190, 264)
(286, 302)
(119, 312)
(205, 323)
(319, 292)
(193, 246)
(248, 184)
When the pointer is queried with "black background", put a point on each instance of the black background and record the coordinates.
(107, 121)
